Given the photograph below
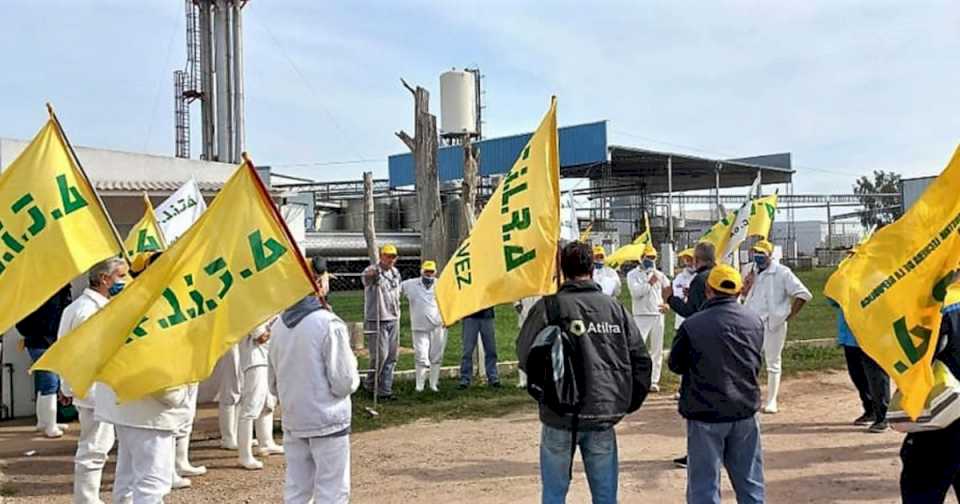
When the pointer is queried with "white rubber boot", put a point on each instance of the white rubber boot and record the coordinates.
(86, 484)
(268, 446)
(47, 415)
(435, 377)
(245, 446)
(184, 468)
(522, 379)
(773, 389)
(41, 424)
(421, 377)
(228, 427)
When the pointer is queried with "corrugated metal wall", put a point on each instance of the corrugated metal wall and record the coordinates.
(580, 144)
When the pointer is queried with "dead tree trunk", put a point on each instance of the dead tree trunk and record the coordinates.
(471, 180)
(369, 227)
(424, 148)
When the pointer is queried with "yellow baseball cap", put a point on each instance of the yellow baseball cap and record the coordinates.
(429, 266)
(686, 253)
(763, 246)
(649, 251)
(726, 279)
(598, 251)
(389, 249)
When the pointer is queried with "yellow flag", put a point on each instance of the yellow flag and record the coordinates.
(719, 233)
(511, 253)
(52, 227)
(585, 234)
(633, 251)
(233, 269)
(892, 289)
(762, 214)
(145, 236)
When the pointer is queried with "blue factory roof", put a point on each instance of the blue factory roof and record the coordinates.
(580, 145)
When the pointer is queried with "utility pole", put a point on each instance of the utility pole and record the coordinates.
(369, 228)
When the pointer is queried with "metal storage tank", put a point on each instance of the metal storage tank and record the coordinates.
(328, 220)
(452, 210)
(382, 214)
(408, 213)
(353, 215)
(458, 108)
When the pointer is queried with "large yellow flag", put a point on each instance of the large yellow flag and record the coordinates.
(719, 233)
(52, 227)
(511, 253)
(762, 215)
(633, 251)
(892, 289)
(145, 236)
(233, 269)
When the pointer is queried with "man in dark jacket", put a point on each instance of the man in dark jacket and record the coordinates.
(614, 377)
(931, 460)
(717, 352)
(39, 331)
(704, 257)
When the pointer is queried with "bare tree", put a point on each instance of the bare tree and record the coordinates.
(471, 179)
(879, 211)
(423, 145)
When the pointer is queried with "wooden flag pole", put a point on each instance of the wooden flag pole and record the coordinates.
(86, 180)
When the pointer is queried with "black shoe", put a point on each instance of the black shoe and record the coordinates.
(463, 386)
(879, 427)
(495, 385)
(680, 462)
(865, 419)
(386, 397)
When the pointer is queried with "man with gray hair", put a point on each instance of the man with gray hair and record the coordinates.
(105, 279)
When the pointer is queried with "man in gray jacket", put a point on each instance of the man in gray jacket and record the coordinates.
(381, 308)
(717, 353)
(614, 376)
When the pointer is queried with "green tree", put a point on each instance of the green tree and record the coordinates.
(879, 211)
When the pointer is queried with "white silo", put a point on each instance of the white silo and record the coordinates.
(458, 104)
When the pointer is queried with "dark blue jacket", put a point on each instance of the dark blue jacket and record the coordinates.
(717, 352)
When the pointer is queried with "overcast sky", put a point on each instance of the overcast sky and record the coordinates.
(847, 87)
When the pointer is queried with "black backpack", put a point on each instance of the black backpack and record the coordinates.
(555, 369)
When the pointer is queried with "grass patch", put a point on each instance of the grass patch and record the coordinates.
(815, 321)
(7, 490)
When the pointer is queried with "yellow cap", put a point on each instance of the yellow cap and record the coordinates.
(686, 253)
(649, 251)
(389, 249)
(763, 246)
(429, 266)
(598, 251)
(724, 278)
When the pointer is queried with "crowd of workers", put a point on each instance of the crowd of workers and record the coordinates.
(727, 325)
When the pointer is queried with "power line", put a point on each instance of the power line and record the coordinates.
(328, 163)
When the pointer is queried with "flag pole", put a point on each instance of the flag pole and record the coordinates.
(262, 189)
(86, 180)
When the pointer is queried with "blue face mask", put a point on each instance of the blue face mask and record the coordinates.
(427, 281)
(116, 288)
(648, 263)
(761, 260)
(598, 265)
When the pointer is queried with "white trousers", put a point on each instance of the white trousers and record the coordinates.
(96, 441)
(651, 327)
(144, 465)
(230, 377)
(773, 339)
(428, 347)
(318, 470)
(256, 400)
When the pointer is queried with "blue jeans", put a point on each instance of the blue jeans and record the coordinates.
(486, 329)
(45, 382)
(599, 452)
(735, 445)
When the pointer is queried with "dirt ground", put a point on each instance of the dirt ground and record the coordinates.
(811, 454)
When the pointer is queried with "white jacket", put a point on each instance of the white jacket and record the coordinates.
(608, 280)
(253, 354)
(646, 298)
(681, 282)
(164, 411)
(82, 308)
(773, 292)
(424, 312)
(313, 372)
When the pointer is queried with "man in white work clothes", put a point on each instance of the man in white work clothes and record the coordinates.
(646, 284)
(681, 282)
(606, 277)
(96, 438)
(429, 335)
(777, 295)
